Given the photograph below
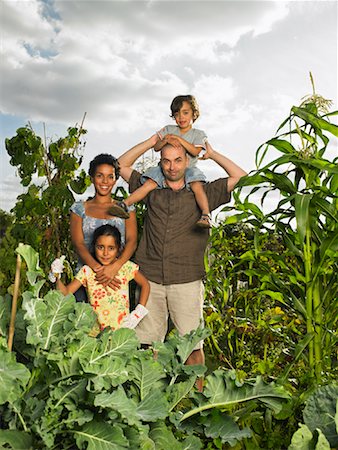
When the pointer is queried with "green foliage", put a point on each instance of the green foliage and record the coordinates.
(50, 174)
(250, 331)
(300, 275)
(320, 431)
(70, 390)
(321, 412)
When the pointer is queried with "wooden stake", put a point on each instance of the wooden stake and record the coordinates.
(14, 303)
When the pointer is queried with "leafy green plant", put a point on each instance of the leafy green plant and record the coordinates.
(250, 331)
(49, 172)
(305, 220)
(66, 389)
(320, 431)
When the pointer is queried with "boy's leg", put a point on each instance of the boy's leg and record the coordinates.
(141, 192)
(202, 201)
(120, 208)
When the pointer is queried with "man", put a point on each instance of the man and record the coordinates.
(171, 250)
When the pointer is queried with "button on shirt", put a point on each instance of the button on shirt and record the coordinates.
(171, 250)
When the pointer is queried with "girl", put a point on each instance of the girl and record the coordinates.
(111, 306)
(184, 110)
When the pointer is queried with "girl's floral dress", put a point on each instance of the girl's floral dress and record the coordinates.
(110, 306)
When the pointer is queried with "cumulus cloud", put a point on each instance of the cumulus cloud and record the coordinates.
(63, 58)
(122, 62)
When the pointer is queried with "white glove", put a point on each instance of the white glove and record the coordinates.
(56, 268)
(135, 317)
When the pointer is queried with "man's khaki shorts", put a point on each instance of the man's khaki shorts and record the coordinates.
(184, 304)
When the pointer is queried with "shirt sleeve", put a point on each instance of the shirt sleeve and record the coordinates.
(82, 275)
(134, 181)
(199, 138)
(164, 131)
(217, 193)
(128, 271)
(78, 209)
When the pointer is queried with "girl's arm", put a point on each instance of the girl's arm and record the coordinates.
(106, 274)
(79, 243)
(142, 281)
(72, 287)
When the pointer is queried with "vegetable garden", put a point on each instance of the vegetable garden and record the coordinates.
(270, 313)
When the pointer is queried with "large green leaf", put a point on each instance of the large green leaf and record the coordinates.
(164, 438)
(13, 377)
(101, 436)
(220, 425)
(303, 439)
(46, 318)
(317, 122)
(282, 145)
(146, 373)
(108, 372)
(320, 411)
(32, 260)
(178, 391)
(152, 408)
(280, 181)
(302, 202)
(119, 401)
(222, 390)
(18, 440)
(121, 342)
(190, 341)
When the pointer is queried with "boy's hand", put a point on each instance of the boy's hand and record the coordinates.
(173, 140)
(135, 317)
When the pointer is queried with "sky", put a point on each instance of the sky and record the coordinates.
(122, 62)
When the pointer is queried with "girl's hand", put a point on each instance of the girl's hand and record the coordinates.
(106, 275)
(56, 269)
(135, 317)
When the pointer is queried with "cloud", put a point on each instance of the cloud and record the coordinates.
(117, 60)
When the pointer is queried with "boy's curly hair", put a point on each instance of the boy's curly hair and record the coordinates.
(177, 103)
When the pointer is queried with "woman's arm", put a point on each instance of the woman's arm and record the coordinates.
(142, 281)
(78, 242)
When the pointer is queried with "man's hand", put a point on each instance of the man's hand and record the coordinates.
(208, 152)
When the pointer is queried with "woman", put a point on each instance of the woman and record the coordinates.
(87, 216)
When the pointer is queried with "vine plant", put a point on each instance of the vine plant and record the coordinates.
(49, 171)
